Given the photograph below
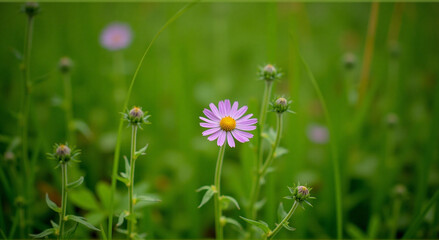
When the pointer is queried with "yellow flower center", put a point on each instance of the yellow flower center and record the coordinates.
(227, 123)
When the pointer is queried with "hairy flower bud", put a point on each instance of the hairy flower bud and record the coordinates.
(136, 116)
(300, 193)
(62, 153)
(280, 105)
(65, 64)
(31, 8)
(269, 73)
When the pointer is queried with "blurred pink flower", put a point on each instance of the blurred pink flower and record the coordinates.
(318, 133)
(116, 36)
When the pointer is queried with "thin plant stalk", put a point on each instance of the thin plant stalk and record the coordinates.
(70, 126)
(368, 51)
(62, 215)
(262, 118)
(25, 115)
(217, 182)
(272, 234)
(334, 152)
(131, 219)
(127, 98)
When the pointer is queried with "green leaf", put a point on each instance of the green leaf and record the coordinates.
(103, 190)
(259, 204)
(52, 205)
(84, 199)
(45, 233)
(145, 198)
(82, 221)
(280, 151)
(127, 167)
(286, 226)
(234, 223)
(226, 200)
(260, 224)
(269, 135)
(207, 196)
(96, 217)
(140, 152)
(54, 224)
(75, 184)
(121, 218)
(69, 233)
(281, 213)
(104, 236)
(203, 188)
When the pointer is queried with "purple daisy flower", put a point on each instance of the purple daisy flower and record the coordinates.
(226, 122)
(116, 36)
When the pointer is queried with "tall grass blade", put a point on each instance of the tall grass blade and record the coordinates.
(127, 98)
(411, 231)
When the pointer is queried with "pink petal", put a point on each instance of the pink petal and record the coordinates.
(244, 134)
(245, 127)
(210, 131)
(209, 125)
(210, 114)
(239, 137)
(234, 109)
(222, 109)
(209, 120)
(221, 138)
(246, 117)
(240, 112)
(215, 110)
(214, 136)
(230, 140)
(247, 122)
(227, 106)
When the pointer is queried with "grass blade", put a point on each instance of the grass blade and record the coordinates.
(119, 132)
(411, 231)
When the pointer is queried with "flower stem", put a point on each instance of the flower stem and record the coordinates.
(218, 210)
(127, 98)
(25, 113)
(285, 220)
(63, 200)
(258, 163)
(70, 128)
(131, 219)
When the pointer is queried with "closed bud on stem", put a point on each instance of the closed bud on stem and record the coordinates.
(136, 116)
(281, 105)
(269, 73)
(349, 61)
(31, 8)
(300, 194)
(63, 153)
(65, 64)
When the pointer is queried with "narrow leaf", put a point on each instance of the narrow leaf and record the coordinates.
(104, 236)
(207, 196)
(281, 213)
(280, 151)
(260, 224)
(52, 205)
(121, 218)
(82, 221)
(141, 151)
(75, 184)
(286, 226)
(145, 198)
(228, 199)
(203, 188)
(127, 167)
(234, 223)
(45, 233)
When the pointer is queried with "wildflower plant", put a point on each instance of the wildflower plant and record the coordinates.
(64, 156)
(135, 118)
(300, 195)
(225, 122)
(116, 36)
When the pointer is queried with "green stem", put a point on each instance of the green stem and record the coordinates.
(62, 219)
(131, 219)
(127, 98)
(262, 118)
(272, 234)
(395, 218)
(218, 210)
(25, 113)
(272, 153)
(334, 152)
(70, 128)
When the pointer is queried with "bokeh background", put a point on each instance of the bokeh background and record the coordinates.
(387, 142)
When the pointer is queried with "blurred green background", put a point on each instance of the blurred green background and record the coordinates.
(387, 142)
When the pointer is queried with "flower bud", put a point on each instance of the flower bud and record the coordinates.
(65, 64)
(31, 8)
(269, 73)
(300, 193)
(281, 105)
(349, 61)
(62, 151)
(136, 116)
